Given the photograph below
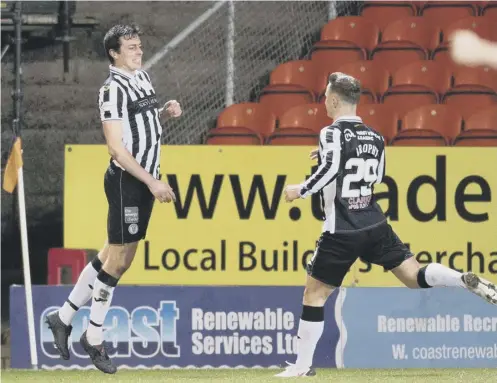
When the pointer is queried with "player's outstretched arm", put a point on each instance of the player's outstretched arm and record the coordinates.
(467, 48)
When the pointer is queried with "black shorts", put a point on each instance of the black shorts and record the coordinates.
(130, 206)
(336, 253)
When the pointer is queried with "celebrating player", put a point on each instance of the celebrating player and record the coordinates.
(351, 160)
(130, 113)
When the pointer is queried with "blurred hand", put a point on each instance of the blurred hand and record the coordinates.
(162, 191)
(466, 48)
(292, 192)
(314, 154)
(173, 108)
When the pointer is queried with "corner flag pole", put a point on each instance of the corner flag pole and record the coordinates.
(13, 176)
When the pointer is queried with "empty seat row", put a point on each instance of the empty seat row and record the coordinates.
(439, 12)
(442, 121)
(298, 82)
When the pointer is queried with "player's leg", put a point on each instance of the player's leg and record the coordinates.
(334, 256)
(397, 258)
(130, 207)
(59, 321)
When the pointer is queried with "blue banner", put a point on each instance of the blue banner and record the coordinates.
(171, 326)
(433, 328)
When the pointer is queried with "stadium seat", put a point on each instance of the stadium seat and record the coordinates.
(490, 10)
(383, 12)
(382, 118)
(443, 13)
(428, 74)
(294, 136)
(60, 259)
(404, 98)
(480, 25)
(470, 99)
(353, 29)
(410, 138)
(372, 77)
(309, 116)
(233, 136)
(442, 57)
(253, 116)
(483, 78)
(391, 55)
(328, 59)
(279, 103)
(485, 119)
(433, 119)
(292, 77)
(415, 30)
(476, 138)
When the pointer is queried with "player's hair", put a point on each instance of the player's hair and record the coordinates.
(346, 87)
(112, 37)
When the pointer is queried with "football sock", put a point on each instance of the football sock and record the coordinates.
(102, 298)
(311, 327)
(437, 275)
(81, 292)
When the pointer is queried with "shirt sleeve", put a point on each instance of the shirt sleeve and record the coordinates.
(112, 102)
(328, 170)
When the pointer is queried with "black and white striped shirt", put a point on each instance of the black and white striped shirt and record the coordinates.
(132, 99)
(351, 160)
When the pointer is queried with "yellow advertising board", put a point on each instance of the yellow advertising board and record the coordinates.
(231, 225)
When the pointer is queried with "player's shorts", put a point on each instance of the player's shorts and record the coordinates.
(336, 253)
(130, 206)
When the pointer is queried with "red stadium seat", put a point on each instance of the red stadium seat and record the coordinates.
(309, 116)
(428, 74)
(382, 118)
(485, 119)
(476, 138)
(404, 98)
(253, 116)
(294, 136)
(490, 10)
(413, 138)
(436, 119)
(442, 57)
(279, 103)
(233, 136)
(292, 77)
(353, 29)
(480, 25)
(468, 99)
(415, 30)
(383, 12)
(372, 77)
(328, 59)
(443, 13)
(483, 78)
(391, 55)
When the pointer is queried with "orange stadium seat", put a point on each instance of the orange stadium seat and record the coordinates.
(468, 99)
(233, 136)
(443, 13)
(423, 138)
(477, 78)
(381, 118)
(292, 77)
(485, 119)
(383, 12)
(353, 29)
(437, 119)
(279, 103)
(309, 116)
(391, 55)
(480, 25)
(407, 97)
(259, 118)
(442, 57)
(372, 77)
(328, 59)
(476, 138)
(428, 74)
(490, 10)
(415, 30)
(293, 136)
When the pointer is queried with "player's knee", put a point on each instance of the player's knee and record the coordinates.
(316, 296)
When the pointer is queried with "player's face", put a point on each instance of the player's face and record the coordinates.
(130, 55)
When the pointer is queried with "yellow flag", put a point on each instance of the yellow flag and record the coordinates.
(13, 165)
